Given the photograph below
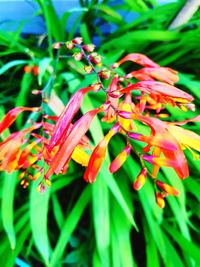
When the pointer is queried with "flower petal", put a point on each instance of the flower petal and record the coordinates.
(136, 58)
(120, 159)
(11, 116)
(62, 125)
(163, 74)
(159, 88)
(65, 151)
(98, 155)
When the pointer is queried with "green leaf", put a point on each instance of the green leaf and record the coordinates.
(43, 66)
(151, 250)
(140, 35)
(174, 258)
(187, 246)
(101, 217)
(121, 230)
(39, 205)
(110, 12)
(57, 210)
(69, 226)
(7, 208)
(11, 64)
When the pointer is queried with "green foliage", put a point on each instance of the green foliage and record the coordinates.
(74, 224)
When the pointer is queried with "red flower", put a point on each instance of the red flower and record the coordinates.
(63, 123)
(11, 116)
(98, 155)
(137, 58)
(120, 159)
(60, 160)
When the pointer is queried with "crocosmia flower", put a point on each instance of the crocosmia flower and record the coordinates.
(135, 105)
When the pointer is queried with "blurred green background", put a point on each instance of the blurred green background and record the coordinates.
(75, 224)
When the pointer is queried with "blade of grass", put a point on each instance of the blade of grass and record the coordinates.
(39, 205)
(11, 64)
(69, 226)
(7, 208)
(151, 250)
(58, 214)
(187, 246)
(101, 217)
(122, 229)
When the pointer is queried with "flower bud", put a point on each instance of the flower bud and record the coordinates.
(89, 47)
(88, 69)
(160, 200)
(97, 87)
(69, 45)
(56, 45)
(141, 179)
(24, 183)
(36, 92)
(167, 188)
(35, 70)
(120, 159)
(78, 56)
(27, 69)
(77, 40)
(105, 74)
(95, 58)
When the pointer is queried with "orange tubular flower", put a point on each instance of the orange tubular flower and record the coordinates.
(63, 123)
(166, 93)
(98, 155)
(167, 188)
(141, 179)
(66, 148)
(161, 73)
(137, 58)
(11, 116)
(120, 159)
(11, 152)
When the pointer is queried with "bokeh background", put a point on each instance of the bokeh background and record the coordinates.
(80, 225)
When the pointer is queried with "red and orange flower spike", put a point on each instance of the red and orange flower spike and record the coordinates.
(130, 105)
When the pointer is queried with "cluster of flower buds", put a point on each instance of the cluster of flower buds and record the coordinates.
(31, 69)
(164, 146)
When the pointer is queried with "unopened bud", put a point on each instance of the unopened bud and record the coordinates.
(78, 56)
(88, 69)
(27, 69)
(69, 45)
(89, 47)
(35, 70)
(167, 188)
(36, 92)
(120, 159)
(105, 74)
(77, 40)
(56, 45)
(95, 58)
(160, 200)
(141, 179)
(97, 87)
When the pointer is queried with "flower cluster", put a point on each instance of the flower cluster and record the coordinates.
(136, 99)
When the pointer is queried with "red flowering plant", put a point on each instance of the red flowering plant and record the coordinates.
(132, 101)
